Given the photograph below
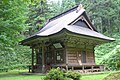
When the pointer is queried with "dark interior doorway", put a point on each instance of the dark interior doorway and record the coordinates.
(83, 56)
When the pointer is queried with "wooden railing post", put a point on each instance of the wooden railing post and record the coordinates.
(67, 67)
(83, 68)
(92, 67)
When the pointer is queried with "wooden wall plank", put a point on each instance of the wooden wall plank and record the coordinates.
(74, 56)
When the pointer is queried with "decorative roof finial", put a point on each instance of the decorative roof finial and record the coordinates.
(79, 8)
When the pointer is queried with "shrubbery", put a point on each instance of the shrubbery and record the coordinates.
(73, 75)
(118, 64)
(57, 74)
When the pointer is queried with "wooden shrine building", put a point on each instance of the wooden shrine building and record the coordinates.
(66, 41)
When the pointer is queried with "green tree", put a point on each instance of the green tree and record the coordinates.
(103, 14)
(108, 53)
(12, 22)
(37, 16)
(59, 7)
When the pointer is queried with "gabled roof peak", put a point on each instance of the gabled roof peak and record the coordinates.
(79, 7)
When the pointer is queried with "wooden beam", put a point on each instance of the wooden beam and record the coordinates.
(32, 59)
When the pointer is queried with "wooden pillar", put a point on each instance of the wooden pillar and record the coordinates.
(32, 59)
(66, 57)
(66, 52)
(37, 56)
(55, 56)
(94, 54)
(43, 59)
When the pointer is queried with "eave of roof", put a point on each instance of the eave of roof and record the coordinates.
(75, 30)
(87, 32)
(78, 30)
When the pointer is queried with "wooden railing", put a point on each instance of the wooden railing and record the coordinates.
(38, 68)
(81, 68)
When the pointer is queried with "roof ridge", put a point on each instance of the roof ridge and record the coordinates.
(62, 14)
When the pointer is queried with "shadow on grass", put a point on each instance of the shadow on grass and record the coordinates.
(7, 74)
(11, 74)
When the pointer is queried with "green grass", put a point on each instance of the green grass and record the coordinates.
(16, 75)
(113, 76)
(94, 77)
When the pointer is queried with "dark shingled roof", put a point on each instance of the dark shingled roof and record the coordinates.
(64, 20)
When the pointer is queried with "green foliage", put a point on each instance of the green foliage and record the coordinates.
(104, 14)
(37, 15)
(57, 74)
(23, 56)
(109, 53)
(15, 58)
(118, 64)
(14, 16)
(73, 75)
(12, 23)
(68, 79)
(59, 7)
(112, 58)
